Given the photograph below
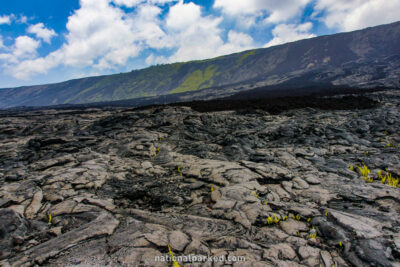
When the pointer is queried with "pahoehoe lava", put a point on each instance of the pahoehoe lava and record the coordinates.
(279, 181)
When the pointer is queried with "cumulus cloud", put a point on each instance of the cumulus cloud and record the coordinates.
(26, 68)
(153, 60)
(103, 36)
(98, 30)
(5, 19)
(147, 27)
(284, 33)
(275, 10)
(356, 14)
(132, 3)
(99, 35)
(42, 32)
(24, 47)
(199, 37)
(8, 19)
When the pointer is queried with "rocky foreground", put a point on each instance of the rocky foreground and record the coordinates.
(305, 187)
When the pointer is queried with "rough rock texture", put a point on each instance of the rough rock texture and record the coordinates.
(122, 185)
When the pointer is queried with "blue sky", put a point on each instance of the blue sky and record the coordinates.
(46, 41)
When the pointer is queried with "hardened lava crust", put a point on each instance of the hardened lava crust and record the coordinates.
(289, 182)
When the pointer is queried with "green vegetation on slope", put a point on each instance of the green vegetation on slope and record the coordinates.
(160, 79)
(197, 80)
(243, 57)
(139, 83)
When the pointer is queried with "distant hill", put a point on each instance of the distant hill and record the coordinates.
(366, 58)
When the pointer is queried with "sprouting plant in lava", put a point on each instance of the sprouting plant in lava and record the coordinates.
(277, 218)
(364, 171)
(313, 233)
(388, 179)
(174, 262)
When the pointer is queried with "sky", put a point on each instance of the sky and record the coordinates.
(47, 41)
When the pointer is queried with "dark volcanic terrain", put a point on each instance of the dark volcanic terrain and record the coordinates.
(283, 182)
(367, 58)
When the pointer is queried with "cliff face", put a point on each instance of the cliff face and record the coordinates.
(365, 59)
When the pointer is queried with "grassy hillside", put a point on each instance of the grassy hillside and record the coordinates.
(162, 79)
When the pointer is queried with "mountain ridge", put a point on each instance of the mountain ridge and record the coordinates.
(365, 59)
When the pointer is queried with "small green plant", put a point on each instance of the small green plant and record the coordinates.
(351, 167)
(391, 181)
(50, 218)
(212, 189)
(313, 233)
(180, 170)
(388, 179)
(255, 194)
(157, 151)
(277, 218)
(364, 171)
(174, 262)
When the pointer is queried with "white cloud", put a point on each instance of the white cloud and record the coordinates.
(275, 10)
(357, 14)
(25, 69)
(182, 16)
(147, 27)
(5, 19)
(284, 33)
(237, 42)
(199, 37)
(99, 35)
(104, 36)
(22, 19)
(152, 60)
(24, 48)
(132, 3)
(94, 31)
(42, 32)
